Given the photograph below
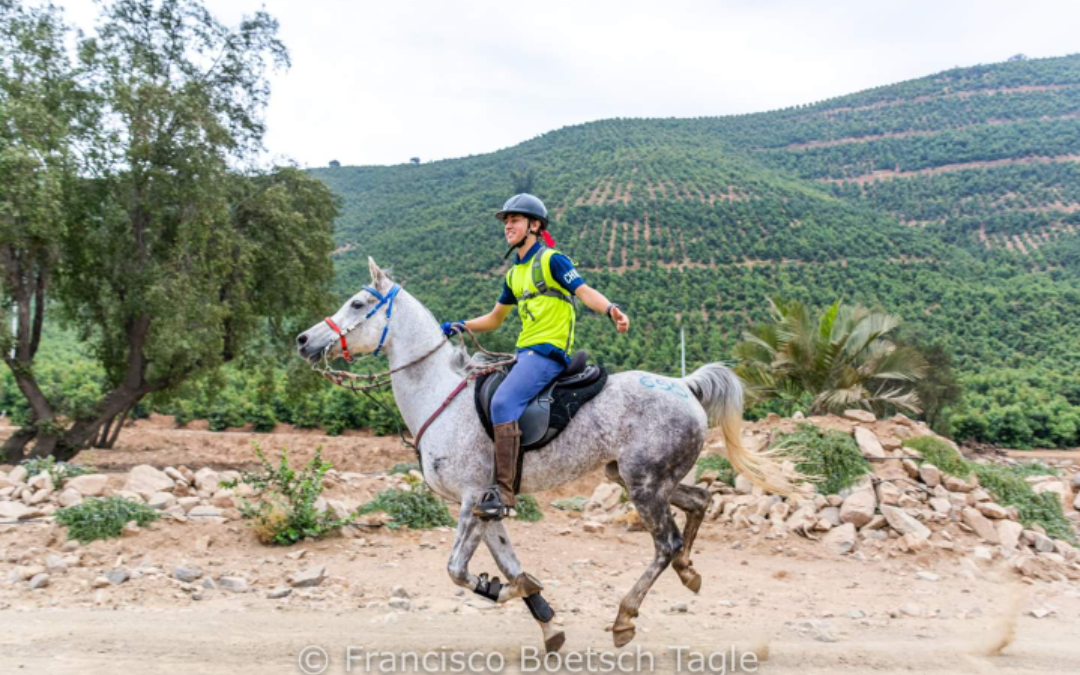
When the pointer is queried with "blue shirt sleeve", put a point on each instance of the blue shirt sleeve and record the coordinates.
(507, 297)
(564, 272)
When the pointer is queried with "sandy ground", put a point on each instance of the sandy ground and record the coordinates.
(790, 600)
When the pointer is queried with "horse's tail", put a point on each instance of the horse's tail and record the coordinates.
(721, 394)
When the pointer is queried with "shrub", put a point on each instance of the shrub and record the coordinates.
(59, 471)
(1005, 483)
(102, 518)
(570, 503)
(417, 508)
(831, 460)
(403, 468)
(719, 464)
(285, 512)
(528, 509)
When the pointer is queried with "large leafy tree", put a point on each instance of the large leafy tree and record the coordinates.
(41, 110)
(841, 359)
(180, 252)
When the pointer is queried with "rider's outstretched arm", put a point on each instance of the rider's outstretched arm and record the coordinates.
(491, 320)
(597, 302)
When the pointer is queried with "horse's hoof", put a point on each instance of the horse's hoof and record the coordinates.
(555, 642)
(692, 581)
(623, 636)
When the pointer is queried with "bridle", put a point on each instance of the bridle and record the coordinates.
(387, 300)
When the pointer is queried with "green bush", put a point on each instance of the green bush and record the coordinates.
(403, 468)
(417, 509)
(60, 472)
(285, 512)
(570, 503)
(831, 460)
(103, 518)
(1005, 483)
(528, 509)
(719, 464)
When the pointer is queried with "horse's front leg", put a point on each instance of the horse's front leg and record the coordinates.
(522, 585)
(467, 538)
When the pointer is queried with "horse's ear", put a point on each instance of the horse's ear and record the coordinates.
(378, 277)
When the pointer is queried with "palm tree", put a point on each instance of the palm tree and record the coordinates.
(841, 360)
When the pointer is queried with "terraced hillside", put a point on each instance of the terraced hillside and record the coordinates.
(951, 200)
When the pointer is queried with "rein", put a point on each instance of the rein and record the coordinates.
(362, 383)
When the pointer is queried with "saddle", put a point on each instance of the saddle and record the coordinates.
(552, 409)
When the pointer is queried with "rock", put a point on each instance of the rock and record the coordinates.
(982, 554)
(910, 467)
(39, 581)
(175, 474)
(17, 475)
(840, 539)
(1076, 502)
(118, 575)
(887, 493)
(926, 576)
(976, 521)
(930, 475)
(206, 480)
(55, 564)
(206, 512)
(605, 497)
(403, 604)
(1008, 533)
(992, 510)
(798, 415)
(858, 508)
(1043, 543)
(940, 505)
(226, 499)
(1058, 487)
(954, 484)
(680, 608)
(188, 503)
(234, 584)
(187, 574)
(90, 485)
(399, 592)
(864, 416)
(42, 481)
(144, 480)
(69, 497)
(743, 486)
(16, 511)
(278, 593)
(913, 543)
(978, 495)
(161, 501)
(876, 523)
(911, 609)
(593, 527)
(1064, 549)
(868, 443)
(802, 520)
(903, 523)
(100, 582)
(312, 576)
(832, 515)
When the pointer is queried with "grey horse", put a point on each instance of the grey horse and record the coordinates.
(646, 431)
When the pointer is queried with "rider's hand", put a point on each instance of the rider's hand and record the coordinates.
(449, 328)
(622, 322)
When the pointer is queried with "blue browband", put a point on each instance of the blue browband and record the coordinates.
(387, 300)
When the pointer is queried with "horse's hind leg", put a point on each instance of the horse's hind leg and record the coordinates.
(691, 500)
(522, 585)
(655, 512)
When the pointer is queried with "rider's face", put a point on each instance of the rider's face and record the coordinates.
(515, 227)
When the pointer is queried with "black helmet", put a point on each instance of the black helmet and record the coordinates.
(525, 204)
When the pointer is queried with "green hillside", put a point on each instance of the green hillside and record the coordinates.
(951, 200)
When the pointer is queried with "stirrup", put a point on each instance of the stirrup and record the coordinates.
(490, 506)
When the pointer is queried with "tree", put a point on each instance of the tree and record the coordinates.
(178, 258)
(843, 359)
(523, 178)
(41, 105)
(938, 389)
(334, 164)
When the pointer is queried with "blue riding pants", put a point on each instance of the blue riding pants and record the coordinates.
(526, 379)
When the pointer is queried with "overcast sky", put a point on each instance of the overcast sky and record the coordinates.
(380, 82)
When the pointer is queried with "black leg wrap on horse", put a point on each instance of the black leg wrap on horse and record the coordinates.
(539, 608)
(488, 588)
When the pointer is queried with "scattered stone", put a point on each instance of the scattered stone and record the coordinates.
(903, 523)
(982, 553)
(841, 539)
(312, 576)
(593, 527)
(887, 493)
(856, 614)
(743, 485)
(864, 416)
(39, 581)
(187, 574)
(1008, 532)
(403, 604)
(118, 575)
(1043, 543)
(206, 480)
(69, 497)
(940, 504)
(42, 481)
(983, 527)
(161, 501)
(234, 584)
(868, 443)
(992, 510)
(16, 511)
(605, 497)
(910, 467)
(100, 582)
(55, 564)
(930, 475)
(144, 480)
(679, 608)
(1058, 487)
(954, 484)
(399, 592)
(278, 593)
(225, 499)
(858, 508)
(926, 576)
(17, 475)
(831, 514)
(911, 609)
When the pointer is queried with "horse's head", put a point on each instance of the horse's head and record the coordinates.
(358, 327)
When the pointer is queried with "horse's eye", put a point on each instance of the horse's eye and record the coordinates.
(357, 304)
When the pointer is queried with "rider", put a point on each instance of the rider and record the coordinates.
(547, 333)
